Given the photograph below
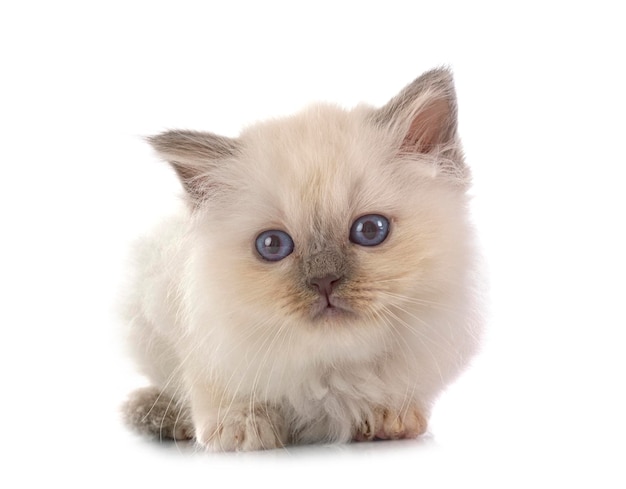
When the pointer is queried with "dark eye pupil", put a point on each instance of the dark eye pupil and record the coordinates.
(370, 229)
(272, 244)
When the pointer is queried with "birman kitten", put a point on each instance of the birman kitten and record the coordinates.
(321, 285)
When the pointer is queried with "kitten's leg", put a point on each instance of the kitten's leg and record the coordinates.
(391, 424)
(152, 412)
(237, 426)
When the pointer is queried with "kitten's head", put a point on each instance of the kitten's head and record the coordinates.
(330, 219)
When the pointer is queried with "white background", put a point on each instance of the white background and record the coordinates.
(541, 94)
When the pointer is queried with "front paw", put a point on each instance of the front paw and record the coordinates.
(153, 412)
(240, 428)
(391, 424)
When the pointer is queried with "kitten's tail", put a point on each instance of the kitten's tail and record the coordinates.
(151, 412)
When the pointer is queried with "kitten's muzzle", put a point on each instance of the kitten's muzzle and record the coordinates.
(326, 269)
(325, 285)
(328, 305)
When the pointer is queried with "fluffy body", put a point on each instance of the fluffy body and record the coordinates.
(243, 350)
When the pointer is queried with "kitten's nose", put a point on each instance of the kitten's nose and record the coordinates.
(325, 284)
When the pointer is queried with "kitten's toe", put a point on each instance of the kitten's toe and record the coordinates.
(154, 413)
(395, 425)
(242, 429)
(392, 424)
(369, 426)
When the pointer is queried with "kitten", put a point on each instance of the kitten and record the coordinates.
(321, 286)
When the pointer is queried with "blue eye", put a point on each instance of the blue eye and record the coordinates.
(274, 245)
(369, 230)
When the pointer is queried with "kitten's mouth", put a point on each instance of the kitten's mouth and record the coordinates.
(331, 308)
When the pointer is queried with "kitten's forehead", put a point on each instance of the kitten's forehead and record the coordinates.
(312, 166)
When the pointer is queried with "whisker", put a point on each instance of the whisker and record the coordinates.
(389, 324)
(421, 338)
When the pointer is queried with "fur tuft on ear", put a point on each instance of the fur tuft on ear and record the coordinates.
(193, 155)
(423, 118)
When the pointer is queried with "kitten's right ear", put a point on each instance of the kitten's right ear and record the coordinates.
(194, 155)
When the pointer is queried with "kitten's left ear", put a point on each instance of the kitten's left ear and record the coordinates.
(423, 119)
(194, 155)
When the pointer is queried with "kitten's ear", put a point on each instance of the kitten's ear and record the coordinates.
(193, 155)
(423, 116)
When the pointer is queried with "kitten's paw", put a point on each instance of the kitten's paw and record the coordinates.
(152, 412)
(242, 429)
(391, 424)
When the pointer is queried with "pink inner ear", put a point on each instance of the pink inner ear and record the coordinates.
(430, 127)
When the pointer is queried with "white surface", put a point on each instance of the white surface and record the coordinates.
(541, 93)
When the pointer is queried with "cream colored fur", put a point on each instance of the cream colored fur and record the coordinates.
(229, 338)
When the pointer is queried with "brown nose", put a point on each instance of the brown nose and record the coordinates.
(324, 284)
